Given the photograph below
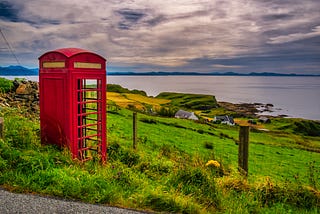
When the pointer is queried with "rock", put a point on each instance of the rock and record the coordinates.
(35, 107)
(24, 89)
(242, 109)
(16, 84)
(25, 94)
(283, 115)
(2, 99)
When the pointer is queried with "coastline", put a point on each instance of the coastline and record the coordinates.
(285, 95)
(251, 109)
(25, 94)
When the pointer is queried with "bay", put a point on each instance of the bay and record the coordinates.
(297, 97)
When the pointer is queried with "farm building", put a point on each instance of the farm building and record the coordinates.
(264, 120)
(185, 115)
(224, 120)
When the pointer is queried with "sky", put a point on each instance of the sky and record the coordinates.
(243, 36)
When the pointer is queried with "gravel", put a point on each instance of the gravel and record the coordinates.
(28, 203)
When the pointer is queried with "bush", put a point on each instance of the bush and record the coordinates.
(167, 111)
(21, 132)
(292, 194)
(309, 128)
(149, 121)
(3, 164)
(195, 181)
(163, 204)
(190, 101)
(120, 89)
(5, 85)
(126, 156)
(208, 145)
(166, 150)
(135, 91)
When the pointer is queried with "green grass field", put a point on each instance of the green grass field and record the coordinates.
(167, 172)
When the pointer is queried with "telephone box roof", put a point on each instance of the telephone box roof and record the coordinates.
(69, 52)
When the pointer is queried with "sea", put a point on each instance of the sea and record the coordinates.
(294, 96)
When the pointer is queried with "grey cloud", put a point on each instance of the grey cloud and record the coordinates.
(13, 11)
(156, 20)
(295, 36)
(276, 16)
(129, 18)
(9, 11)
(131, 15)
(170, 35)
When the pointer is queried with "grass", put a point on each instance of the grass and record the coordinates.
(168, 172)
(5, 85)
(190, 101)
(139, 101)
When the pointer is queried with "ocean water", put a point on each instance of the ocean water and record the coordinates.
(297, 97)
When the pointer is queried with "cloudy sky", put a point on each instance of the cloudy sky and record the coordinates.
(168, 35)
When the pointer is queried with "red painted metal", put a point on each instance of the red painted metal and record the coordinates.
(73, 101)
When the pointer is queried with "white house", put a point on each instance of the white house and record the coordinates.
(224, 120)
(185, 115)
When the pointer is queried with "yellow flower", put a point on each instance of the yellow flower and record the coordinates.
(213, 163)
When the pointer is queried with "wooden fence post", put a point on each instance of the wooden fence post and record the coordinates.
(243, 149)
(134, 137)
(1, 127)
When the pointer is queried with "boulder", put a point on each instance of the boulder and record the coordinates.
(25, 88)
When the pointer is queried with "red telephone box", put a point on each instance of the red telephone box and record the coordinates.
(73, 101)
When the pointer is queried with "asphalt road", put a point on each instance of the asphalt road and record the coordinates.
(28, 203)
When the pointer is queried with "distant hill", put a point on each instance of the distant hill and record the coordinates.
(22, 71)
(163, 73)
(18, 71)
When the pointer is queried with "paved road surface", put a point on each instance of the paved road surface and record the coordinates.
(29, 204)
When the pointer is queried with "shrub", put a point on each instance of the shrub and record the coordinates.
(5, 85)
(135, 91)
(3, 164)
(292, 194)
(208, 145)
(200, 131)
(166, 150)
(314, 175)
(162, 203)
(167, 111)
(190, 101)
(309, 128)
(149, 121)
(195, 181)
(126, 156)
(21, 132)
(117, 88)
(120, 89)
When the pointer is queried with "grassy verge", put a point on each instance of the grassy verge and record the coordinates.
(168, 172)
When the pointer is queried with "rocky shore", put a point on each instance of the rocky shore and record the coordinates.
(248, 109)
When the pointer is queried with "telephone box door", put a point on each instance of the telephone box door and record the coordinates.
(90, 111)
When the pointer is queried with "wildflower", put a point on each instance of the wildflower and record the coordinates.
(214, 163)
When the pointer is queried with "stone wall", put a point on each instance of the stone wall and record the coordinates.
(25, 94)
